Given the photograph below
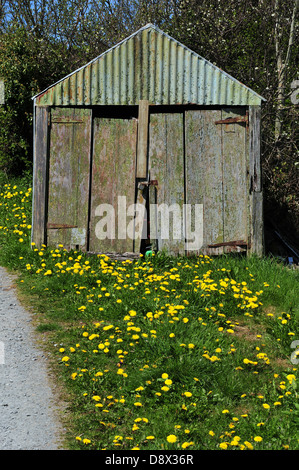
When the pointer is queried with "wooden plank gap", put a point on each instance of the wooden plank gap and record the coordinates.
(142, 139)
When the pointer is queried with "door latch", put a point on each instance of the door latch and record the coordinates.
(144, 184)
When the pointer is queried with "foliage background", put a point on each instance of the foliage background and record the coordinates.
(256, 41)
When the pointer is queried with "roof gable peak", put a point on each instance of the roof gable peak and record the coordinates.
(149, 64)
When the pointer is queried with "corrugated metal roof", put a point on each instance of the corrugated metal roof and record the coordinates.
(148, 65)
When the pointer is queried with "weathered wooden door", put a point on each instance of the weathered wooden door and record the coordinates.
(235, 175)
(69, 163)
(113, 185)
(216, 175)
(166, 168)
(198, 163)
(204, 171)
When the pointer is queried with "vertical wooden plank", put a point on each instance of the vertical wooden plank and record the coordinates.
(254, 148)
(166, 163)
(113, 184)
(40, 176)
(153, 213)
(255, 176)
(204, 173)
(257, 239)
(142, 141)
(235, 171)
(141, 229)
(69, 177)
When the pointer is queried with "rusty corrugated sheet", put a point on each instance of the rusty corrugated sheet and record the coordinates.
(148, 65)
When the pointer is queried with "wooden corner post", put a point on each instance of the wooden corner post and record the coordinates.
(255, 175)
(40, 175)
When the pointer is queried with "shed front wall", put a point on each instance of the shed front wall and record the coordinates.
(191, 156)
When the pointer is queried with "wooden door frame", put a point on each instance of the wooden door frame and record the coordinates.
(40, 174)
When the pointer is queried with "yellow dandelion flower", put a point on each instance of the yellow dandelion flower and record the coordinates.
(168, 382)
(223, 445)
(291, 378)
(187, 444)
(248, 445)
(96, 398)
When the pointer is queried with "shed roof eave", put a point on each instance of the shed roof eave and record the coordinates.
(255, 98)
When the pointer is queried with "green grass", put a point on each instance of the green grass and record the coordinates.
(162, 353)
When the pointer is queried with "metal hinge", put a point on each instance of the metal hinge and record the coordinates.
(65, 121)
(232, 243)
(234, 120)
(53, 226)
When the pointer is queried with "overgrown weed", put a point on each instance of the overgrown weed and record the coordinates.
(163, 353)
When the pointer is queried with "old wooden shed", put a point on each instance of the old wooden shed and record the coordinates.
(149, 122)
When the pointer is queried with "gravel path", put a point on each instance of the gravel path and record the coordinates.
(28, 414)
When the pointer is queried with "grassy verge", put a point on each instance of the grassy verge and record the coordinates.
(163, 353)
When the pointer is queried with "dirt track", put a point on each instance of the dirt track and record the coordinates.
(28, 416)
